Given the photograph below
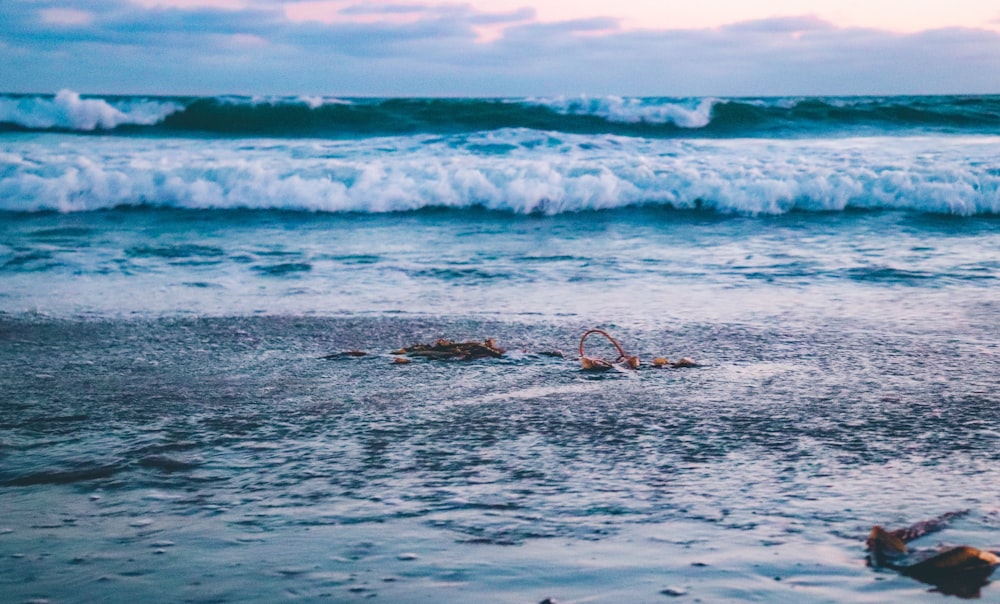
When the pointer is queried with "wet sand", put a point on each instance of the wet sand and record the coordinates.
(222, 459)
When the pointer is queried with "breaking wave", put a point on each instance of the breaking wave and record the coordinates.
(696, 113)
(517, 171)
(68, 111)
(332, 117)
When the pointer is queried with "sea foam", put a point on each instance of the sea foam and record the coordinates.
(694, 113)
(516, 171)
(67, 110)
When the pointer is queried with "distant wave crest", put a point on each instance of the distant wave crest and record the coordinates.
(696, 113)
(68, 111)
(333, 117)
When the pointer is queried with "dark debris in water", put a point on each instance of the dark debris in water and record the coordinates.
(347, 354)
(449, 350)
(958, 570)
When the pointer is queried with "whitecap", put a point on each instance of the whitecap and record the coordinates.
(695, 113)
(68, 110)
(948, 175)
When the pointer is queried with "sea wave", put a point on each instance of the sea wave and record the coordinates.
(335, 117)
(691, 113)
(67, 110)
(518, 171)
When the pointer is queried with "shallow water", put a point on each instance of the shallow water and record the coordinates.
(638, 266)
(223, 459)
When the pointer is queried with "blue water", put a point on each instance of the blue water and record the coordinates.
(176, 272)
(664, 117)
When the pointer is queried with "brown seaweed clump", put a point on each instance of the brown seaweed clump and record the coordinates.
(443, 350)
(662, 362)
(624, 361)
(960, 571)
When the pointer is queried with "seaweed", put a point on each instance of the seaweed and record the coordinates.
(959, 571)
(445, 350)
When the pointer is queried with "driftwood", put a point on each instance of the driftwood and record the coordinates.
(961, 571)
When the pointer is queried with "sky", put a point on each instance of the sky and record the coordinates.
(501, 47)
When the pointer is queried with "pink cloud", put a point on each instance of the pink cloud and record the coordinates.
(193, 4)
(66, 16)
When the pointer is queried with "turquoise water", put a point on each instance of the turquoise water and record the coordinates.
(637, 266)
(651, 117)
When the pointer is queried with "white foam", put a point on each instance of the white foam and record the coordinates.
(315, 102)
(690, 114)
(311, 101)
(67, 110)
(951, 175)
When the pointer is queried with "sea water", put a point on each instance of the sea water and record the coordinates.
(178, 274)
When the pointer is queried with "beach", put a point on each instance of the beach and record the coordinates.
(178, 421)
(224, 459)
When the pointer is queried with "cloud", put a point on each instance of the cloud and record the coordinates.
(433, 49)
(66, 16)
(422, 10)
(121, 24)
(780, 25)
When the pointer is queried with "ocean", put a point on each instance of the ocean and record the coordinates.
(179, 277)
